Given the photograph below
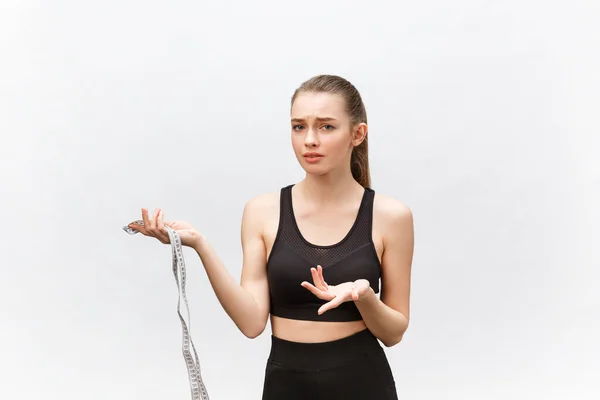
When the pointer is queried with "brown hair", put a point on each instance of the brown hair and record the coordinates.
(359, 162)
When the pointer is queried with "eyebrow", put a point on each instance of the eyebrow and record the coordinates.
(320, 119)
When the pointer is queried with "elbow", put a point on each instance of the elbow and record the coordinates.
(391, 342)
(252, 332)
(395, 339)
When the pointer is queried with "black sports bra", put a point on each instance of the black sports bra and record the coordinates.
(292, 257)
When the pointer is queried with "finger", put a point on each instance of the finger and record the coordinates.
(317, 292)
(141, 229)
(355, 293)
(146, 222)
(151, 225)
(321, 278)
(154, 227)
(142, 226)
(332, 304)
(160, 222)
(153, 220)
(317, 279)
(160, 226)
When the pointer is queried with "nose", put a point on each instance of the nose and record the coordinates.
(311, 139)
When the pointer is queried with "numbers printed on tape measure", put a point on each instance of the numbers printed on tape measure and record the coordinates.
(197, 387)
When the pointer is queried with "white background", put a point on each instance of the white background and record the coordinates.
(484, 119)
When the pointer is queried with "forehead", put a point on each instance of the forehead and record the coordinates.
(318, 105)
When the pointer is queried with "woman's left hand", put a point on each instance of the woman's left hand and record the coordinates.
(335, 294)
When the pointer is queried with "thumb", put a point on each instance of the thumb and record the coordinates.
(170, 224)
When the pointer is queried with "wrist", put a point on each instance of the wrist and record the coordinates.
(367, 297)
(199, 243)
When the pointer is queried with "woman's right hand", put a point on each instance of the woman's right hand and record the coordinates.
(156, 227)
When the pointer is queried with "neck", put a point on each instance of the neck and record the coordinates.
(330, 188)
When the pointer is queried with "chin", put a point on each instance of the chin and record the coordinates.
(316, 170)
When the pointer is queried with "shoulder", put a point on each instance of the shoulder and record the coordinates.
(262, 206)
(391, 209)
(391, 214)
(259, 212)
(263, 202)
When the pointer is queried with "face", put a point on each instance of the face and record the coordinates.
(323, 135)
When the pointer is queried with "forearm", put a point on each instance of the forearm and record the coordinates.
(238, 303)
(387, 324)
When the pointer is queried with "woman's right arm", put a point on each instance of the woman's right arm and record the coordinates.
(247, 304)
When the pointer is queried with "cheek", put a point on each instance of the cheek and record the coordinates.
(297, 142)
(337, 144)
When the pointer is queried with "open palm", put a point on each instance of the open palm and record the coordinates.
(156, 227)
(334, 294)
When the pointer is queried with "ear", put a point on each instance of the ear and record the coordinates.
(359, 134)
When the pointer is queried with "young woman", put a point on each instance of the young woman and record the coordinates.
(314, 254)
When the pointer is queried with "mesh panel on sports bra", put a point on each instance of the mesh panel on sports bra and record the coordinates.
(358, 236)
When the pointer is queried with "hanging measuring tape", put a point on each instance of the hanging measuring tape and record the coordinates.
(197, 387)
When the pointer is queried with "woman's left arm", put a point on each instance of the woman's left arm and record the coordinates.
(387, 318)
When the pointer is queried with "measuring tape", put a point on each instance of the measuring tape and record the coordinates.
(193, 365)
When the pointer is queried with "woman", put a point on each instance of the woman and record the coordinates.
(313, 255)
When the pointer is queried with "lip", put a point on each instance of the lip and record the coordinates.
(312, 157)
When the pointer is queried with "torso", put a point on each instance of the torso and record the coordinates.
(320, 227)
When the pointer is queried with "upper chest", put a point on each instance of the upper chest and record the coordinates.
(323, 228)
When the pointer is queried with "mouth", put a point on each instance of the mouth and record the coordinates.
(312, 157)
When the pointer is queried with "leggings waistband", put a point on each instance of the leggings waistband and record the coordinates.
(323, 354)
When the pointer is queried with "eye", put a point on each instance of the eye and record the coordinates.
(328, 127)
(297, 127)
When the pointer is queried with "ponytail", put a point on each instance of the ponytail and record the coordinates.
(359, 164)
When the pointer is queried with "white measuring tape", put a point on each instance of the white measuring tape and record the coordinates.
(193, 365)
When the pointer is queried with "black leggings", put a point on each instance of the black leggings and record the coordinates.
(352, 368)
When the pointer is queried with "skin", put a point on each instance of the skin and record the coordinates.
(325, 205)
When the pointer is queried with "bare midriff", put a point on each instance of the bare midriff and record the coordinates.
(313, 331)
